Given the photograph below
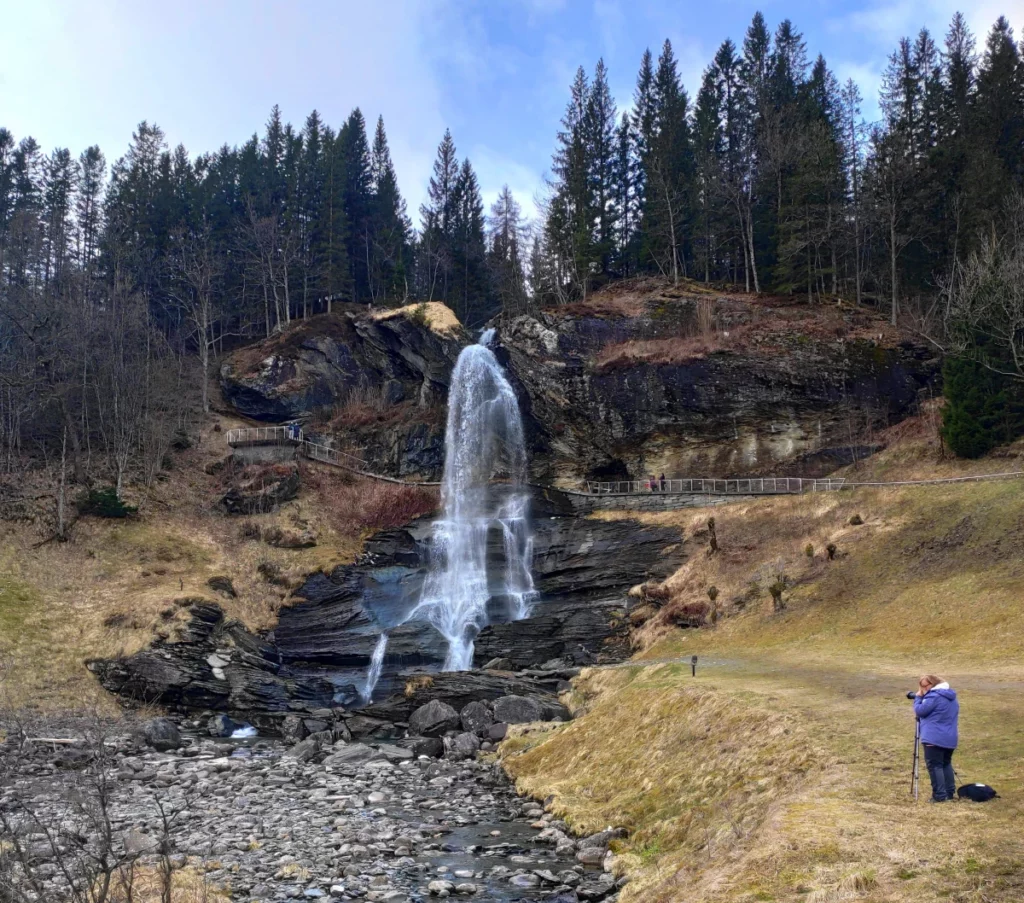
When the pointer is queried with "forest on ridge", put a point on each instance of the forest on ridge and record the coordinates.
(120, 284)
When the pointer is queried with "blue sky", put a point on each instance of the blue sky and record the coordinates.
(495, 72)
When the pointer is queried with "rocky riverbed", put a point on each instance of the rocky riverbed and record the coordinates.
(264, 821)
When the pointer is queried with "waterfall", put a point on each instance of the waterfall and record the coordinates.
(376, 664)
(483, 442)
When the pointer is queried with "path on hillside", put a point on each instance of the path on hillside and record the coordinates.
(684, 489)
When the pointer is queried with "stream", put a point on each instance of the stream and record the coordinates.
(371, 822)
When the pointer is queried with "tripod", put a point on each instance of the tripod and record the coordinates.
(915, 772)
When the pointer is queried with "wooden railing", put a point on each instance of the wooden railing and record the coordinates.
(706, 486)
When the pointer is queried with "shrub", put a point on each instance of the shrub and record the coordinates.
(809, 550)
(418, 315)
(771, 578)
(983, 409)
(104, 503)
(353, 505)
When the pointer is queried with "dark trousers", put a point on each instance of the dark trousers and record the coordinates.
(939, 762)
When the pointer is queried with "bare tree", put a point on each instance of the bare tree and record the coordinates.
(195, 271)
(984, 313)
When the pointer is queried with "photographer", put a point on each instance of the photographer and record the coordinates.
(937, 710)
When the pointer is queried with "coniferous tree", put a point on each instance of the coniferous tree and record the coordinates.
(508, 236)
(469, 289)
(436, 249)
(601, 158)
(358, 195)
(389, 277)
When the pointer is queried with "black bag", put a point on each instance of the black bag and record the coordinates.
(977, 793)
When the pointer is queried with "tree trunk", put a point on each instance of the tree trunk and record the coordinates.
(892, 248)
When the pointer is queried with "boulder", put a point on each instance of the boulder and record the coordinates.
(463, 746)
(496, 732)
(432, 747)
(220, 726)
(433, 719)
(591, 855)
(394, 753)
(222, 585)
(293, 729)
(305, 750)
(261, 489)
(476, 717)
(350, 754)
(518, 710)
(162, 734)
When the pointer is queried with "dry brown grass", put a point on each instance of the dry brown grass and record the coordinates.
(113, 587)
(672, 350)
(189, 885)
(439, 317)
(790, 753)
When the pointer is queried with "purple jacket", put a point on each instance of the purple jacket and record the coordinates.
(938, 711)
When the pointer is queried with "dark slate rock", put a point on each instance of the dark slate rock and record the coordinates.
(433, 719)
(162, 734)
(476, 717)
(518, 710)
(220, 726)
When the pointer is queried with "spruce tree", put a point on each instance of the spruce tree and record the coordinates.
(435, 259)
(358, 194)
(389, 252)
(601, 158)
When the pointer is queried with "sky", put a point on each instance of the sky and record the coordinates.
(496, 72)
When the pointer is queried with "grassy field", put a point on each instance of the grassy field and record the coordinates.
(781, 772)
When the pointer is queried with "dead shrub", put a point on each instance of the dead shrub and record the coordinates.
(691, 614)
(353, 504)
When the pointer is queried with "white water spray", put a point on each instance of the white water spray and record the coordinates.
(483, 442)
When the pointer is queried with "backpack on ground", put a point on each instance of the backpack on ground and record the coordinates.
(977, 793)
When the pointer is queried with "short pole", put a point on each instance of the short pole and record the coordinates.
(914, 781)
(693, 666)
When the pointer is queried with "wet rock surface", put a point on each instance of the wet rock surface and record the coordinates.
(319, 820)
(318, 654)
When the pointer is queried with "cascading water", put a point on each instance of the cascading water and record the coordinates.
(483, 441)
(376, 666)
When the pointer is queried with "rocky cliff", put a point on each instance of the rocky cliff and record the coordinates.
(691, 383)
(319, 652)
(642, 378)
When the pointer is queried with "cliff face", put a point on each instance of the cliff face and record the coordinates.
(621, 390)
(318, 653)
(642, 378)
(404, 357)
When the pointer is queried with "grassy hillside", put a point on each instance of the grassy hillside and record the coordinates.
(782, 771)
(111, 589)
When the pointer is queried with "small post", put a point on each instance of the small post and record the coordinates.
(693, 666)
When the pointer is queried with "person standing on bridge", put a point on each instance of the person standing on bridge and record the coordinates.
(938, 711)
(661, 480)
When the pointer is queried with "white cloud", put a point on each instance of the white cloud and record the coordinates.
(495, 169)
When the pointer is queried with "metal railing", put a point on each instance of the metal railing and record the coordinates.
(292, 435)
(255, 435)
(327, 455)
(704, 486)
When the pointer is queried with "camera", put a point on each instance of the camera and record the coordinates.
(911, 694)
